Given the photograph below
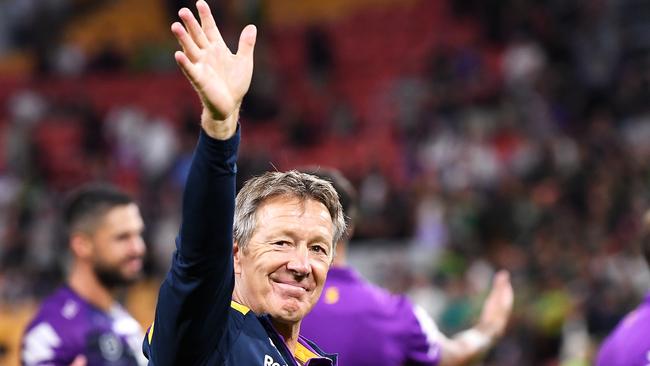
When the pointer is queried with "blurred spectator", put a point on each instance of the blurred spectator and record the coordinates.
(319, 54)
(108, 59)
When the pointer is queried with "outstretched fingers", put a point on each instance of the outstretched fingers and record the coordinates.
(193, 28)
(502, 283)
(187, 43)
(220, 78)
(186, 65)
(207, 23)
(190, 48)
(247, 42)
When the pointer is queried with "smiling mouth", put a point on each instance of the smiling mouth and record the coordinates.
(293, 290)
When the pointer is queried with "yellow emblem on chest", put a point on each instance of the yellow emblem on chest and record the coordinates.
(331, 295)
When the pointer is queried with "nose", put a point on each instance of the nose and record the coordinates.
(137, 246)
(299, 261)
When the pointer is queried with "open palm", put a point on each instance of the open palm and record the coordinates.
(498, 305)
(220, 77)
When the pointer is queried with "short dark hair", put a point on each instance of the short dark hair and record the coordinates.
(346, 191)
(86, 205)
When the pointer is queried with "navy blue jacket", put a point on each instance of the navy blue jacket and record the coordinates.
(196, 322)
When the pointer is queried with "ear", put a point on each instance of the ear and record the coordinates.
(81, 246)
(236, 253)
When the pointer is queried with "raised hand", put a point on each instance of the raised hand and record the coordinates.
(220, 77)
(498, 306)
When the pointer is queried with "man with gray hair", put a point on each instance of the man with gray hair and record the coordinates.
(239, 302)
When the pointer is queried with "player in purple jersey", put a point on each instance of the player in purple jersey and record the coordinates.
(82, 323)
(629, 343)
(366, 325)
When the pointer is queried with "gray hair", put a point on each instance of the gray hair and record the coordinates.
(293, 184)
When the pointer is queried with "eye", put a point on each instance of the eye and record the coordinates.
(280, 243)
(318, 249)
(123, 236)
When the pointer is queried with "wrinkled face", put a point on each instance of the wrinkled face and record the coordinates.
(282, 269)
(118, 247)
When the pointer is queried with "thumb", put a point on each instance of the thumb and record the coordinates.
(502, 278)
(79, 361)
(503, 287)
(247, 41)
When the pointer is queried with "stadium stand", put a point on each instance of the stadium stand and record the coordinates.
(481, 134)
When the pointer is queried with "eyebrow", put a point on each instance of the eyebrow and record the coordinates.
(317, 238)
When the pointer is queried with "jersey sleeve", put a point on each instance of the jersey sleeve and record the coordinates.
(43, 344)
(421, 341)
(194, 299)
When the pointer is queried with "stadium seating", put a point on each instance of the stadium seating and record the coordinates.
(365, 69)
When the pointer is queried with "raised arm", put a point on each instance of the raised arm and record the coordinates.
(221, 79)
(468, 346)
(194, 299)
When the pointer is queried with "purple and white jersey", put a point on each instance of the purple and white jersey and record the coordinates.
(67, 326)
(629, 343)
(366, 325)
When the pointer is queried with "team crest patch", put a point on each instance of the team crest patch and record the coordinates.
(110, 346)
(332, 295)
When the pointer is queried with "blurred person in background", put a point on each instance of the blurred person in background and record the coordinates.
(82, 323)
(366, 325)
(629, 342)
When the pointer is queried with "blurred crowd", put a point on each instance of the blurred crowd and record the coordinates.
(523, 147)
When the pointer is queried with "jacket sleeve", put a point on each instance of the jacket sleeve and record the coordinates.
(194, 299)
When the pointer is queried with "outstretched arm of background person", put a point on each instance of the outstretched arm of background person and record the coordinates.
(470, 345)
(220, 78)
